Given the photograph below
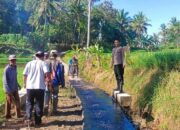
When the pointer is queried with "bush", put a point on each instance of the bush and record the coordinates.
(38, 40)
(7, 49)
(15, 39)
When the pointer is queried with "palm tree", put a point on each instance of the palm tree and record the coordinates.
(173, 21)
(77, 9)
(123, 20)
(139, 25)
(174, 30)
(163, 33)
(175, 25)
(44, 13)
(155, 39)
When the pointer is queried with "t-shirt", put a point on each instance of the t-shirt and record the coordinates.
(48, 63)
(35, 71)
(118, 55)
(74, 61)
(10, 79)
(70, 62)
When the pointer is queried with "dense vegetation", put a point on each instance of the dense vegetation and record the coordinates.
(47, 24)
(152, 66)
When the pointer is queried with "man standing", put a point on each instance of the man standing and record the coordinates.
(62, 75)
(73, 66)
(56, 76)
(118, 62)
(75, 69)
(48, 89)
(35, 74)
(11, 87)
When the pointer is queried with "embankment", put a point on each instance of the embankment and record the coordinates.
(154, 87)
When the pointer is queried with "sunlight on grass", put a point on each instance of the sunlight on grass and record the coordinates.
(152, 78)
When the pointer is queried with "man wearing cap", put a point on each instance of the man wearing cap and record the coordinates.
(36, 73)
(11, 86)
(118, 62)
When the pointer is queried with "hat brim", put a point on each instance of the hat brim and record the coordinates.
(37, 55)
(12, 59)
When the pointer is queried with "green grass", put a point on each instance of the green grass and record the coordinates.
(164, 59)
(2, 96)
(19, 60)
(152, 78)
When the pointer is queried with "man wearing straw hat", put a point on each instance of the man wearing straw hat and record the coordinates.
(11, 87)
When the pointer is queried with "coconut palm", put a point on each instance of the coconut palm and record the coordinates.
(175, 25)
(174, 31)
(139, 25)
(163, 33)
(45, 11)
(123, 20)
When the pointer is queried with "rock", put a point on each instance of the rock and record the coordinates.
(124, 99)
(115, 92)
(22, 96)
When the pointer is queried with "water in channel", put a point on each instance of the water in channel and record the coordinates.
(99, 110)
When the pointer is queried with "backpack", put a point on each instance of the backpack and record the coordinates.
(57, 75)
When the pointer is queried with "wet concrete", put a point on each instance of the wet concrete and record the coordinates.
(99, 110)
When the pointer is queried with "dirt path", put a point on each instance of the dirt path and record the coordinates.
(68, 117)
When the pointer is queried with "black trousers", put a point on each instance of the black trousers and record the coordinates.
(119, 74)
(35, 97)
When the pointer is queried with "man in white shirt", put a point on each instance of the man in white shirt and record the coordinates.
(36, 73)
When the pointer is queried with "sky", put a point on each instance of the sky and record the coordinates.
(157, 11)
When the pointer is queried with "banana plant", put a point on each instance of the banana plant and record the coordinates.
(95, 51)
(76, 49)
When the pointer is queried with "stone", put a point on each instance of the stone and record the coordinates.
(115, 92)
(124, 99)
(22, 96)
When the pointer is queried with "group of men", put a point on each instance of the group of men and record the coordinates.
(42, 77)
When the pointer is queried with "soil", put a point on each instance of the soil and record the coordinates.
(68, 116)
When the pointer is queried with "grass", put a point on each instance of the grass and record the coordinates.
(19, 60)
(152, 78)
(164, 59)
(68, 92)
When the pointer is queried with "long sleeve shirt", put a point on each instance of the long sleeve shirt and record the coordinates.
(10, 82)
(118, 56)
